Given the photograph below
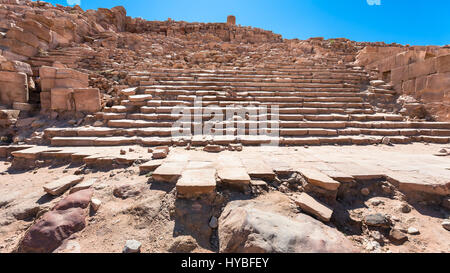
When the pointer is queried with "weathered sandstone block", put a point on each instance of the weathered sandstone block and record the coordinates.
(36, 28)
(19, 47)
(13, 87)
(87, 99)
(16, 66)
(443, 63)
(62, 99)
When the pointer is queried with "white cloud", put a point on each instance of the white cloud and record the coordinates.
(73, 2)
(374, 2)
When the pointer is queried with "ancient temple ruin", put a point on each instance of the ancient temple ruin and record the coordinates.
(214, 112)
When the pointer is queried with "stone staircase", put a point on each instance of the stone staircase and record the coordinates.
(321, 104)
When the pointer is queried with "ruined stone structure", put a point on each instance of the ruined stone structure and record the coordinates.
(231, 20)
(419, 72)
(182, 103)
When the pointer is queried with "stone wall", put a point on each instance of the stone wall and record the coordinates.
(15, 78)
(225, 32)
(419, 72)
(65, 89)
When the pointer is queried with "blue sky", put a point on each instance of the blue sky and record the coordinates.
(414, 22)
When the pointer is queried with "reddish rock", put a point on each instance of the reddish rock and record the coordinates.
(79, 199)
(51, 230)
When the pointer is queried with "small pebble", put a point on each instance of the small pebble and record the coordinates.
(446, 225)
(213, 223)
(377, 202)
(413, 231)
(405, 208)
(365, 191)
(132, 246)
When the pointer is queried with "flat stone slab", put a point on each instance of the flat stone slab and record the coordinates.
(414, 182)
(319, 179)
(234, 176)
(138, 98)
(193, 165)
(33, 153)
(59, 186)
(151, 165)
(280, 166)
(83, 185)
(313, 206)
(196, 182)
(257, 168)
(169, 171)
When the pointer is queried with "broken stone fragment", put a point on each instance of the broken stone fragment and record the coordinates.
(376, 83)
(150, 166)
(159, 154)
(365, 191)
(169, 172)
(319, 179)
(83, 185)
(214, 222)
(132, 246)
(126, 191)
(61, 185)
(210, 148)
(377, 220)
(446, 225)
(313, 207)
(95, 204)
(413, 231)
(183, 244)
(397, 236)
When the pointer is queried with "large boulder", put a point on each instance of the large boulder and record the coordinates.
(264, 226)
(79, 199)
(52, 229)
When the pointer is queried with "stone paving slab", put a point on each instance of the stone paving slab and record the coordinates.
(237, 176)
(257, 168)
(196, 182)
(150, 166)
(412, 167)
(169, 171)
(318, 178)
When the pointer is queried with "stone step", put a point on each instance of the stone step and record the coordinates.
(326, 70)
(283, 109)
(253, 115)
(251, 87)
(169, 131)
(256, 93)
(200, 140)
(265, 79)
